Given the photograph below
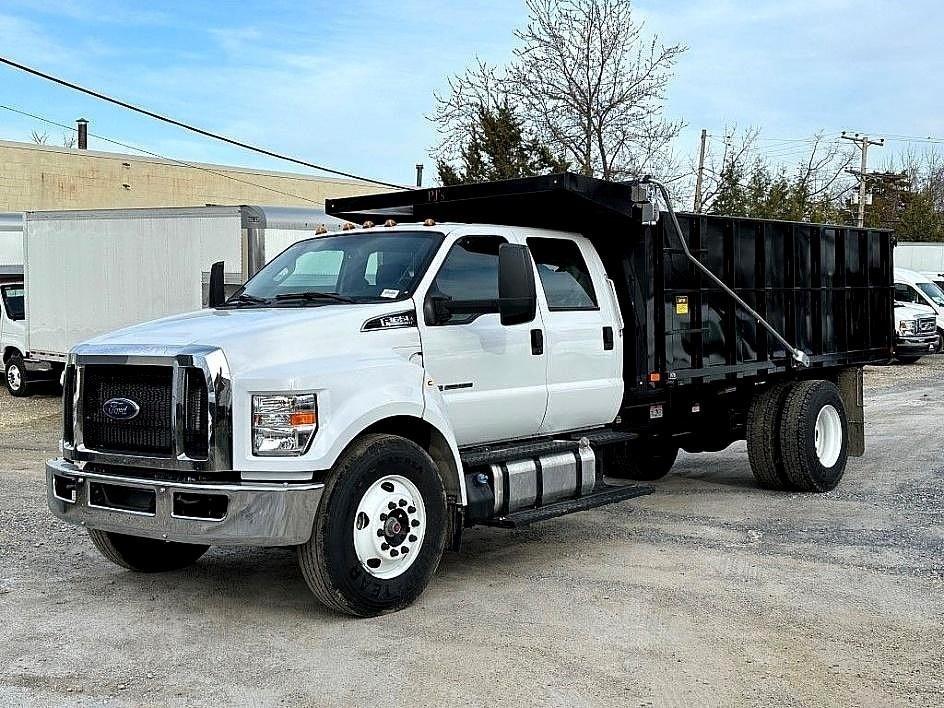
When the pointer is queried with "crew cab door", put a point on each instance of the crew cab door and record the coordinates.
(492, 376)
(582, 336)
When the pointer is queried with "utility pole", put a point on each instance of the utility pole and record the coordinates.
(701, 170)
(863, 142)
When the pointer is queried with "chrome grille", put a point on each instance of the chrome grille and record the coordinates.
(184, 417)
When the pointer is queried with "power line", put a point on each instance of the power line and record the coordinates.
(162, 157)
(187, 126)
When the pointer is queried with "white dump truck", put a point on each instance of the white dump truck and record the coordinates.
(90, 272)
(480, 354)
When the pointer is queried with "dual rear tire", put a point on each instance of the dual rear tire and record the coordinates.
(797, 436)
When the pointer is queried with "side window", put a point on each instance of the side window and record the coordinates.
(904, 293)
(13, 301)
(564, 274)
(468, 274)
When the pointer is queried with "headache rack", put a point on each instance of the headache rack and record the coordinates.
(703, 297)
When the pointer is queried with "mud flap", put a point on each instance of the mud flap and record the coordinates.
(850, 389)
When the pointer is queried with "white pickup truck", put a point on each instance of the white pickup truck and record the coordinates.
(371, 392)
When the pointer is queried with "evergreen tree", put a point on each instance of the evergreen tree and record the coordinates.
(498, 148)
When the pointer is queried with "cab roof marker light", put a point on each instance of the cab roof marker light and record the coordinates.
(429, 222)
(321, 229)
(369, 224)
(348, 226)
(390, 222)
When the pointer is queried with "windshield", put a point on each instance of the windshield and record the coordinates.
(357, 267)
(13, 301)
(933, 293)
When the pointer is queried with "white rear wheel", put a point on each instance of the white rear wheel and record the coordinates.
(828, 435)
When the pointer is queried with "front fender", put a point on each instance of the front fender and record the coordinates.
(353, 394)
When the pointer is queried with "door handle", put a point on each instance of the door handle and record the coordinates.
(607, 338)
(537, 341)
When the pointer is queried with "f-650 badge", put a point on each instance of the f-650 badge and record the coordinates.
(120, 408)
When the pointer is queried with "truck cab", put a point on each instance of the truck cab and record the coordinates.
(914, 288)
(915, 332)
(12, 337)
(370, 393)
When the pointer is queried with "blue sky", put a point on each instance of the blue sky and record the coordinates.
(347, 83)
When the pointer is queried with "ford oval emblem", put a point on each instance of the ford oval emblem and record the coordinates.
(120, 408)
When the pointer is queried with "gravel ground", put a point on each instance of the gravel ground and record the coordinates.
(708, 592)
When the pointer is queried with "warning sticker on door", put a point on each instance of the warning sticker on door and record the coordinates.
(681, 304)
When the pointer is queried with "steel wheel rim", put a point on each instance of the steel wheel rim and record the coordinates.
(389, 526)
(827, 436)
(14, 378)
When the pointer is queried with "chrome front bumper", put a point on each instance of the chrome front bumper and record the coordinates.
(253, 514)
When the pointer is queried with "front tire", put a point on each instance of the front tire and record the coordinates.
(14, 376)
(814, 436)
(380, 529)
(145, 555)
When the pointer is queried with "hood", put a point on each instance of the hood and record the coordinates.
(912, 310)
(257, 337)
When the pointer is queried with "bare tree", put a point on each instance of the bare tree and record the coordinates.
(40, 138)
(735, 156)
(593, 85)
(584, 81)
(68, 140)
(481, 87)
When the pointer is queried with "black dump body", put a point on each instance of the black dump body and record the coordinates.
(827, 289)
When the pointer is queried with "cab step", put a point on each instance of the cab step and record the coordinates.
(602, 495)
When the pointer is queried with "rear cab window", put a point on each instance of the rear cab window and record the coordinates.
(564, 274)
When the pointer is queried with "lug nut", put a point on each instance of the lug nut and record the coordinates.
(403, 502)
(411, 510)
(414, 523)
(391, 506)
(394, 552)
(405, 550)
(383, 517)
(380, 533)
(412, 538)
(384, 546)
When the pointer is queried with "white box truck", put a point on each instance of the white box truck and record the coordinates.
(926, 258)
(90, 272)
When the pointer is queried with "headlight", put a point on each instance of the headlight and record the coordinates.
(907, 326)
(283, 424)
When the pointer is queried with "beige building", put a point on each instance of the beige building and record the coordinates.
(42, 177)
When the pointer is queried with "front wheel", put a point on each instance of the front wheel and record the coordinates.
(15, 376)
(380, 529)
(145, 555)
(814, 435)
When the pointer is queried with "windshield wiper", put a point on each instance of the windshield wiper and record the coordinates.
(312, 296)
(246, 299)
